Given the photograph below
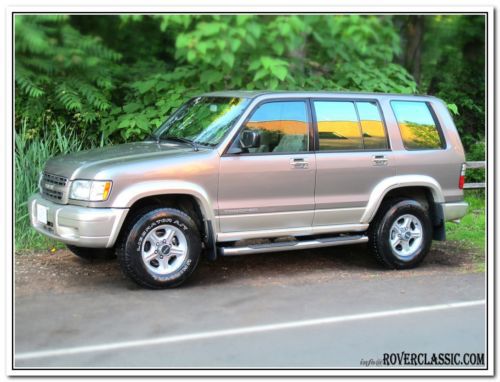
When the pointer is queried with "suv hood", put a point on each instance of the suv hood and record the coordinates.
(68, 165)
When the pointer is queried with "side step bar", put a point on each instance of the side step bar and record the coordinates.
(292, 245)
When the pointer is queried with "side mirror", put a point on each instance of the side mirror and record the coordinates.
(249, 139)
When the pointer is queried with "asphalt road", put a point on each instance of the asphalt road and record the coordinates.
(327, 308)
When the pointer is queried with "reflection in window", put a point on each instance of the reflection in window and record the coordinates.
(338, 126)
(205, 120)
(282, 126)
(417, 126)
(372, 126)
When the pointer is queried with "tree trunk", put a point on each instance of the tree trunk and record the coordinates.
(414, 34)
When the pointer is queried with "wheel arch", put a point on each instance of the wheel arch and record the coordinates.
(424, 189)
(185, 196)
(137, 191)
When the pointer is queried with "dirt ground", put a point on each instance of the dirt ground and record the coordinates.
(62, 272)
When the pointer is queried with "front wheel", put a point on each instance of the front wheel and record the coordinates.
(160, 248)
(401, 234)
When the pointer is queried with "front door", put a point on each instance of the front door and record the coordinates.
(269, 186)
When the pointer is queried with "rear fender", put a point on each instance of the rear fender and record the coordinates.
(382, 188)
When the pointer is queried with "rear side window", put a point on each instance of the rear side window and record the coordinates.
(374, 137)
(348, 125)
(418, 127)
(338, 126)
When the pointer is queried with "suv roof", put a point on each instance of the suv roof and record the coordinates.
(256, 93)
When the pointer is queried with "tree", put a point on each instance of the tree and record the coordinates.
(453, 63)
(60, 73)
(119, 77)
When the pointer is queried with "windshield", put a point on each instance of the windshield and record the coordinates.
(203, 120)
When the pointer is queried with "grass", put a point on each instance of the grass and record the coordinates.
(471, 232)
(31, 153)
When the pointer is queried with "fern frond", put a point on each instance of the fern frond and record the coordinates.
(29, 36)
(93, 95)
(28, 86)
(68, 97)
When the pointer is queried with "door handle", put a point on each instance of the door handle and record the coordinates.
(299, 163)
(380, 160)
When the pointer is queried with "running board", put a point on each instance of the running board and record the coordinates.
(292, 245)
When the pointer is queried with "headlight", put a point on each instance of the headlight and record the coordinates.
(90, 190)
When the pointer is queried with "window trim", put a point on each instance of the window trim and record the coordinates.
(353, 100)
(442, 138)
(310, 134)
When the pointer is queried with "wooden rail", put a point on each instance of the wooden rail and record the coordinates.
(476, 164)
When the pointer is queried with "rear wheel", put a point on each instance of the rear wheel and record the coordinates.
(401, 234)
(91, 254)
(159, 248)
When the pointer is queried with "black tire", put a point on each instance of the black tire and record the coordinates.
(92, 254)
(133, 239)
(380, 233)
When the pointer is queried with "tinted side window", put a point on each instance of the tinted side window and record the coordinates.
(338, 126)
(417, 125)
(374, 137)
(282, 126)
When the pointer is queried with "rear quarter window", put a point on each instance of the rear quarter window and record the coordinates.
(418, 126)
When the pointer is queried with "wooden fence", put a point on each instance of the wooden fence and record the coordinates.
(479, 164)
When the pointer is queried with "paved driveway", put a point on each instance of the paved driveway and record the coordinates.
(326, 308)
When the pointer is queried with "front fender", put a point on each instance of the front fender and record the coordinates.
(129, 195)
(388, 184)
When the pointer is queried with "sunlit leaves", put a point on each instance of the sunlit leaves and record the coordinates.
(453, 108)
(115, 94)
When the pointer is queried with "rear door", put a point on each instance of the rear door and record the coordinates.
(271, 186)
(352, 156)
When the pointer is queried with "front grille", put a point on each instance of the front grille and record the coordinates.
(55, 179)
(54, 187)
(53, 194)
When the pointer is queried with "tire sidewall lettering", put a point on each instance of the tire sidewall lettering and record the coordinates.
(147, 227)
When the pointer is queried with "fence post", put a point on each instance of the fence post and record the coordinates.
(474, 164)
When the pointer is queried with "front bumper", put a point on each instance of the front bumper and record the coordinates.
(454, 211)
(80, 226)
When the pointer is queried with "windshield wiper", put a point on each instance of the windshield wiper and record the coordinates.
(179, 139)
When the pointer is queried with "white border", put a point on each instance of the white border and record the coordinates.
(258, 6)
(6, 193)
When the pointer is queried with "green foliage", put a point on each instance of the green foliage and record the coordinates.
(119, 77)
(86, 71)
(476, 152)
(453, 108)
(471, 232)
(61, 74)
(31, 153)
(453, 69)
(294, 52)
